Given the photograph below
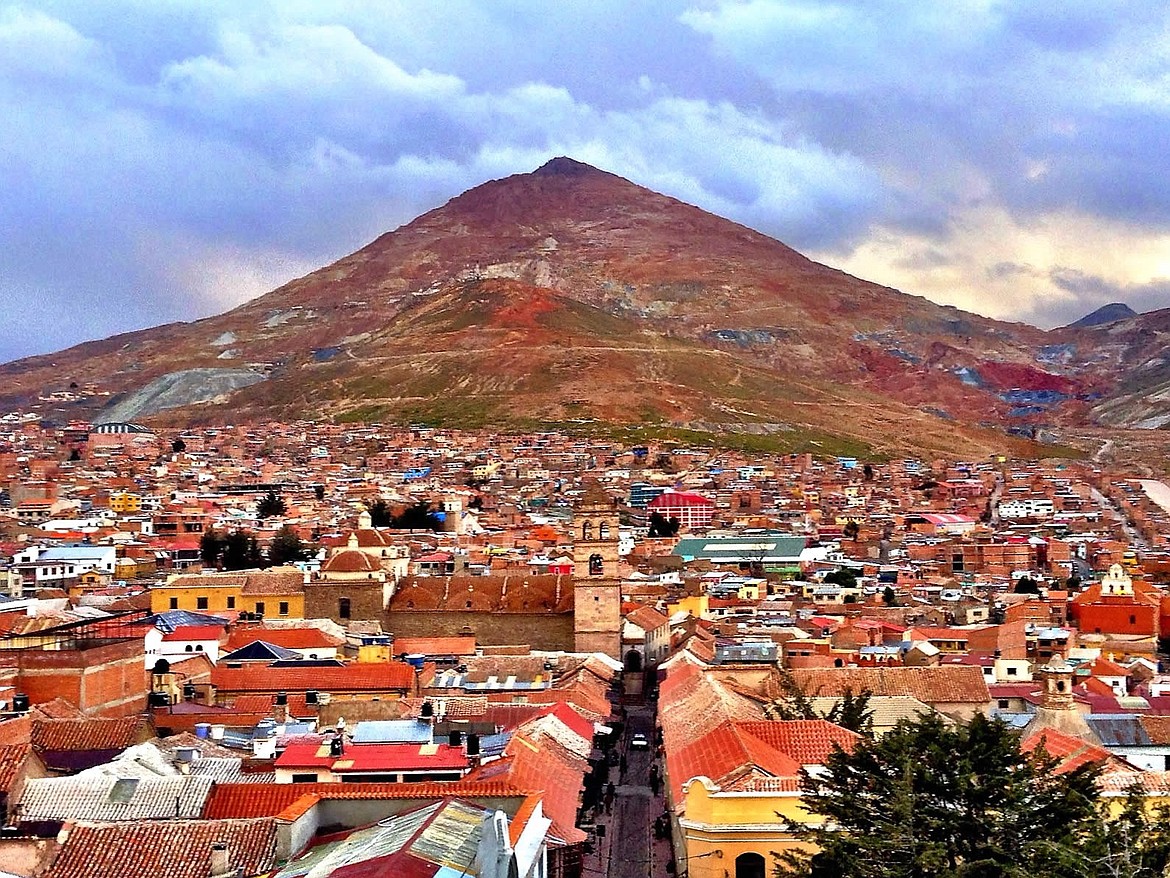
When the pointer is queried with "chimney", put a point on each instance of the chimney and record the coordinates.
(220, 864)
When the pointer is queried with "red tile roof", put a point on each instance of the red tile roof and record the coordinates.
(373, 757)
(955, 684)
(85, 733)
(435, 645)
(723, 752)
(647, 618)
(306, 637)
(164, 848)
(235, 800)
(194, 632)
(12, 760)
(808, 741)
(1072, 752)
(355, 677)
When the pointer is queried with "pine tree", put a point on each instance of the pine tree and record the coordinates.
(932, 800)
(286, 547)
(271, 505)
(211, 546)
(380, 514)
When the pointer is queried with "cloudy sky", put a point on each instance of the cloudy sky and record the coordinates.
(166, 159)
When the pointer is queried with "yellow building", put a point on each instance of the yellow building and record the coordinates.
(278, 593)
(695, 605)
(125, 503)
(737, 834)
(732, 775)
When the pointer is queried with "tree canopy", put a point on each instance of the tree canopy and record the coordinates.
(271, 505)
(661, 526)
(420, 516)
(286, 547)
(845, 577)
(1026, 585)
(933, 800)
(380, 513)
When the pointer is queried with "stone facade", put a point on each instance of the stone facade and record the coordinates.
(597, 587)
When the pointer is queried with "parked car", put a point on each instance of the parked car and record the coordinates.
(639, 742)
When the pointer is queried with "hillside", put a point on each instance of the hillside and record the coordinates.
(572, 295)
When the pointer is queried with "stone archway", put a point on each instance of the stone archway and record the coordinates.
(634, 661)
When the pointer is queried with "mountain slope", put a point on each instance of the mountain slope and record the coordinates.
(570, 293)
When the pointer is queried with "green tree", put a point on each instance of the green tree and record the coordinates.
(851, 531)
(889, 596)
(178, 446)
(380, 513)
(420, 516)
(1026, 585)
(271, 505)
(211, 546)
(850, 711)
(661, 526)
(286, 547)
(844, 577)
(931, 800)
(853, 712)
(1133, 844)
(241, 551)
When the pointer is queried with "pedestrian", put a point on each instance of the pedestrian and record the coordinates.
(622, 766)
(654, 779)
(610, 792)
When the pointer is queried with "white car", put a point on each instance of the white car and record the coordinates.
(639, 742)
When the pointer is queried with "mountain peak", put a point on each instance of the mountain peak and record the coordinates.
(563, 166)
(1110, 313)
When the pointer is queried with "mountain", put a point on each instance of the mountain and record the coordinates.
(1110, 313)
(570, 295)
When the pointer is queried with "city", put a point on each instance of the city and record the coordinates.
(624, 653)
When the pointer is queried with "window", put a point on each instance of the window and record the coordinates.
(1133, 620)
(283, 606)
(188, 648)
(343, 609)
(174, 603)
(201, 603)
(304, 778)
(596, 565)
(260, 608)
(231, 602)
(587, 530)
(1011, 672)
(1003, 704)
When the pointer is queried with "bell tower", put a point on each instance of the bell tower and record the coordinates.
(597, 587)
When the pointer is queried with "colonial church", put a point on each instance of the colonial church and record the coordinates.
(578, 613)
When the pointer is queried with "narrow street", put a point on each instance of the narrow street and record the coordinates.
(629, 848)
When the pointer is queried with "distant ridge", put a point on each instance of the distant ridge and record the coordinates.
(1110, 313)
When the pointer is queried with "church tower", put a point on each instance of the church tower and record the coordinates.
(597, 587)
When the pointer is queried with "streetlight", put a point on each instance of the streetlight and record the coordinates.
(717, 854)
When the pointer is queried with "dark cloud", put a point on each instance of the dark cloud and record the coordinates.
(163, 161)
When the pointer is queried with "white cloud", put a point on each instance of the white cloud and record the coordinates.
(879, 135)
